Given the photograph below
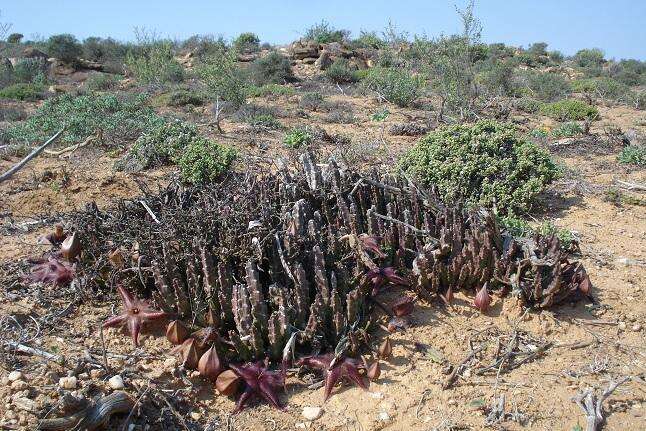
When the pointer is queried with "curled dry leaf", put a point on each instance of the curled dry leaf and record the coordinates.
(482, 299)
(177, 332)
(227, 383)
(189, 353)
(71, 247)
(386, 349)
(374, 371)
(403, 306)
(116, 258)
(209, 365)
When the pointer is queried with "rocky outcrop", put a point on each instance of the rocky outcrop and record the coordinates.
(31, 52)
(323, 55)
(302, 49)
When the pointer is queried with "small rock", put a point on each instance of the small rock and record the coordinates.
(96, 373)
(25, 404)
(452, 402)
(303, 425)
(116, 382)
(15, 375)
(621, 326)
(637, 327)
(195, 416)
(19, 385)
(312, 413)
(383, 417)
(84, 376)
(67, 382)
(376, 395)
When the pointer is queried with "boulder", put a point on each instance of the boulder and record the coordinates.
(309, 60)
(304, 49)
(324, 61)
(31, 52)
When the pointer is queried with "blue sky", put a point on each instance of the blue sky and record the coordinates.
(618, 27)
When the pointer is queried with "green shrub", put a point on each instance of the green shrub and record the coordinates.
(270, 90)
(369, 39)
(264, 120)
(482, 164)
(64, 47)
(629, 72)
(395, 85)
(155, 63)
(495, 78)
(323, 32)
(204, 160)
(15, 38)
(567, 130)
(313, 101)
(570, 110)
(544, 86)
(180, 97)
(271, 69)
(605, 88)
(637, 99)
(246, 43)
(158, 145)
(203, 46)
(101, 82)
(527, 104)
(589, 58)
(633, 155)
(30, 70)
(104, 50)
(521, 228)
(119, 119)
(298, 137)
(340, 72)
(22, 91)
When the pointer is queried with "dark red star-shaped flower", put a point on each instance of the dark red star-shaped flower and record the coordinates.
(52, 271)
(336, 370)
(259, 381)
(136, 312)
(378, 277)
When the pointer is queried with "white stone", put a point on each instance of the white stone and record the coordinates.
(621, 326)
(195, 416)
(67, 382)
(383, 416)
(19, 385)
(637, 327)
(25, 404)
(312, 413)
(116, 382)
(15, 375)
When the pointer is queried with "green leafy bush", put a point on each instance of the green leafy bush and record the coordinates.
(204, 160)
(22, 91)
(605, 88)
(180, 97)
(119, 119)
(264, 120)
(521, 228)
(495, 78)
(64, 47)
(567, 130)
(101, 82)
(340, 72)
(570, 110)
(104, 50)
(544, 86)
(395, 85)
(154, 63)
(246, 43)
(15, 38)
(298, 137)
(271, 69)
(633, 155)
(30, 70)
(589, 58)
(369, 39)
(313, 101)
(323, 32)
(158, 145)
(528, 104)
(482, 164)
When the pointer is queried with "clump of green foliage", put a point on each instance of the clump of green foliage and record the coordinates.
(180, 97)
(589, 58)
(313, 101)
(30, 70)
(567, 130)
(619, 198)
(485, 164)
(22, 91)
(264, 120)
(64, 47)
(298, 137)
(528, 104)
(15, 38)
(119, 119)
(203, 160)
(273, 68)
(323, 32)
(270, 90)
(369, 39)
(154, 63)
(246, 43)
(544, 86)
(633, 155)
(104, 50)
(522, 229)
(396, 85)
(101, 82)
(570, 110)
(340, 72)
(604, 87)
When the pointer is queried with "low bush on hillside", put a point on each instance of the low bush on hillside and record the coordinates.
(298, 137)
(273, 68)
(30, 70)
(605, 88)
(369, 39)
(395, 85)
(101, 82)
(521, 228)
(64, 47)
(567, 130)
(570, 110)
(23, 91)
(204, 160)
(340, 72)
(267, 121)
(180, 97)
(312, 101)
(246, 43)
(544, 86)
(323, 32)
(633, 155)
(104, 50)
(154, 63)
(270, 90)
(483, 164)
(118, 119)
(527, 104)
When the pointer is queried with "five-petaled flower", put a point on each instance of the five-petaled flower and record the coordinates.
(136, 312)
(336, 370)
(378, 277)
(259, 381)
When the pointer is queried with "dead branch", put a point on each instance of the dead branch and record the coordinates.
(32, 351)
(30, 156)
(453, 377)
(93, 417)
(593, 406)
(631, 186)
(71, 148)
